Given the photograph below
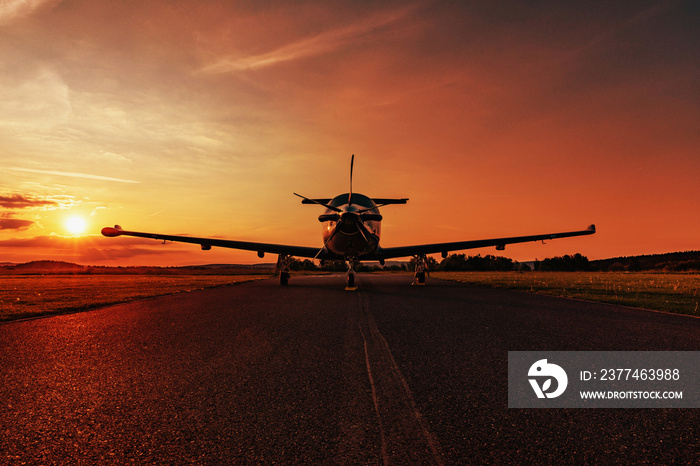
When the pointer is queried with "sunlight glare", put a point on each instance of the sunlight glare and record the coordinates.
(75, 225)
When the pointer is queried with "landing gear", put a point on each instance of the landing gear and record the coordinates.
(350, 277)
(284, 278)
(421, 270)
(283, 262)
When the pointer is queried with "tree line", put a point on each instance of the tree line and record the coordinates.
(672, 262)
(457, 263)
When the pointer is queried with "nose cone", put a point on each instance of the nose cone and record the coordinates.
(348, 222)
(351, 208)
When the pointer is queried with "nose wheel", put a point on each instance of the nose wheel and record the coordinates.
(350, 277)
(284, 278)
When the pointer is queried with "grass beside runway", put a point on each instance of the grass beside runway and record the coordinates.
(23, 296)
(668, 292)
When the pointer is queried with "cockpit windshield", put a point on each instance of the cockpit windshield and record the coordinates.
(357, 199)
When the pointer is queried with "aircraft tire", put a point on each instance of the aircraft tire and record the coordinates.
(284, 278)
(351, 280)
(420, 278)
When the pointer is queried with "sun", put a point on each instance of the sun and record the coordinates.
(75, 224)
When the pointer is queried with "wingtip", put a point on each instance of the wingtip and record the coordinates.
(591, 228)
(112, 232)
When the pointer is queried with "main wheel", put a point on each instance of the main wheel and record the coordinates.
(284, 278)
(351, 280)
(420, 278)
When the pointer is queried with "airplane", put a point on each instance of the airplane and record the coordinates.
(351, 234)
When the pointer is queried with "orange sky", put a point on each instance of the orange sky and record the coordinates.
(494, 118)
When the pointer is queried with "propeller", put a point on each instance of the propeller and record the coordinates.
(339, 213)
(327, 206)
(325, 244)
(361, 230)
(362, 211)
(352, 162)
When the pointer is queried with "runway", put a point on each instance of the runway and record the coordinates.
(310, 373)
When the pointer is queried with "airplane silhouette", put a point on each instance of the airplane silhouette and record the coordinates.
(353, 228)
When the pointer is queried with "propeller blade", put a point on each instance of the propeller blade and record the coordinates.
(361, 230)
(352, 162)
(326, 243)
(370, 208)
(327, 206)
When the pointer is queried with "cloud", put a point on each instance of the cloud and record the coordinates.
(7, 223)
(94, 211)
(11, 9)
(608, 34)
(97, 249)
(324, 42)
(127, 247)
(43, 100)
(73, 175)
(70, 242)
(19, 201)
(90, 249)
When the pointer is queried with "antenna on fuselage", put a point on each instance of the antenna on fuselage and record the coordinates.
(352, 162)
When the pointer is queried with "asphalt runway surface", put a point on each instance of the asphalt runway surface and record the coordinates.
(310, 373)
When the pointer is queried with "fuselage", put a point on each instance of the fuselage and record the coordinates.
(354, 231)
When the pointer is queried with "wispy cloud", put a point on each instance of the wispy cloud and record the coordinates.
(73, 175)
(322, 43)
(11, 9)
(642, 16)
(94, 211)
(156, 213)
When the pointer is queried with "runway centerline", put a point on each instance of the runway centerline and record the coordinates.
(404, 433)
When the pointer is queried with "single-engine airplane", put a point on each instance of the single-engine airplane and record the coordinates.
(352, 226)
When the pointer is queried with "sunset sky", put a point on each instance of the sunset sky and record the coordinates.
(203, 117)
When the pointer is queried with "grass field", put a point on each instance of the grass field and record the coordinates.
(24, 296)
(669, 292)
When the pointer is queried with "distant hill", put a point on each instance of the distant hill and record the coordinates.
(47, 266)
(669, 262)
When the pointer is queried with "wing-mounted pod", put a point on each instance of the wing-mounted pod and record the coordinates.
(112, 232)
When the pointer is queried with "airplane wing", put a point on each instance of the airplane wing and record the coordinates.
(207, 243)
(500, 243)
